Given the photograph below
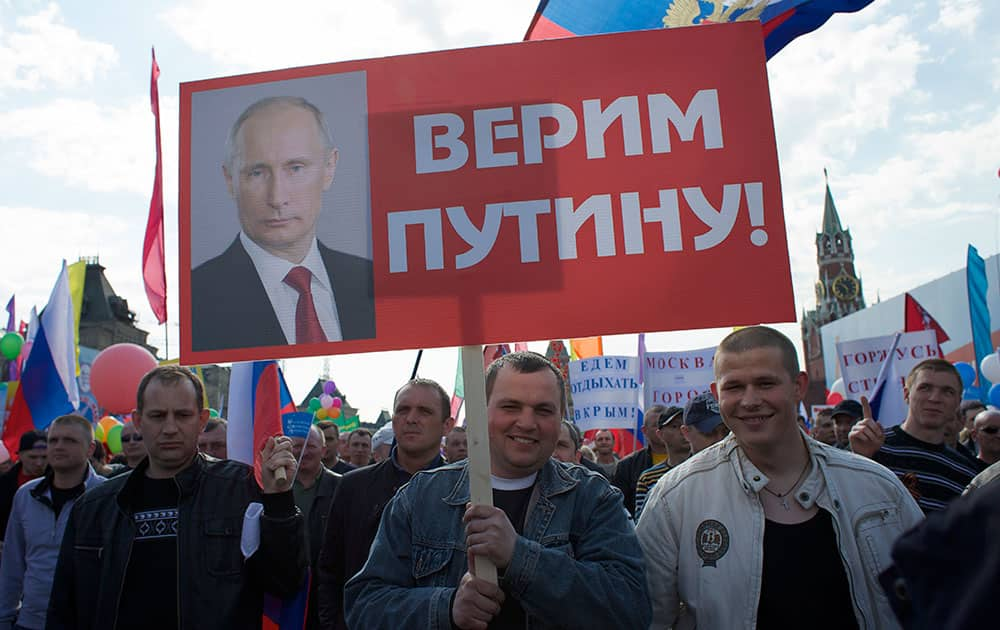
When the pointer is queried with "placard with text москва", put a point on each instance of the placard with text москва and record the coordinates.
(591, 185)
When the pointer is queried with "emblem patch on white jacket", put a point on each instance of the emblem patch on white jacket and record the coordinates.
(712, 541)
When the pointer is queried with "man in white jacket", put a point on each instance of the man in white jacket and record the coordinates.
(746, 532)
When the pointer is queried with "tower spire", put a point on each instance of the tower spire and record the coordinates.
(831, 220)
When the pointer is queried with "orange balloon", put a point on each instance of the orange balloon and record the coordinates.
(335, 412)
(107, 422)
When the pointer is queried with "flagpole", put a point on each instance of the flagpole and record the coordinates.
(416, 364)
(480, 483)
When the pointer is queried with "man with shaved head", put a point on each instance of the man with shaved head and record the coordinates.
(769, 514)
(276, 283)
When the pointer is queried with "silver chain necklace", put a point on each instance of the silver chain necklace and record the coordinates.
(783, 497)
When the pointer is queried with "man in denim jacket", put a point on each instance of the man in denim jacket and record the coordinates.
(560, 537)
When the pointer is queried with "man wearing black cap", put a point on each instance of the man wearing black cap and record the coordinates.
(703, 424)
(30, 465)
(678, 450)
(627, 474)
(845, 414)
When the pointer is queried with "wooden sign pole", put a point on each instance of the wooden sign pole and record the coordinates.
(480, 486)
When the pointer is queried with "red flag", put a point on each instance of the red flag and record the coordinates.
(154, 272)
(266, 409)
(493, 352)
(917, 318)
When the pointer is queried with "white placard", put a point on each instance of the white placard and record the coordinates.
(606, 392)
(861, 359)
(673, 378)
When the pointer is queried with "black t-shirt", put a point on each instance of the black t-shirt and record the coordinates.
(804, 583)
(60, 496)
(149, 595)
(514, 503)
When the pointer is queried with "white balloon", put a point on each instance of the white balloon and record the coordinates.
(838, 387)
(990, 367)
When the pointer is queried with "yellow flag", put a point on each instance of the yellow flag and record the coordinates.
(77, 273)
(204, 389)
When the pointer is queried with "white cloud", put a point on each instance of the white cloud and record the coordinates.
(833, 90)
(241, 34)
(924, 182)
(959, 15)
(928, 118)
(44, 238)
(42, 51)
(868, 74)
(94, 147)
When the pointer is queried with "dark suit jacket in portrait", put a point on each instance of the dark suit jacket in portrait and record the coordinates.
(230, 308)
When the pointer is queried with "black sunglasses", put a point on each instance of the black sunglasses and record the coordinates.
(990, 430)
(129, 438)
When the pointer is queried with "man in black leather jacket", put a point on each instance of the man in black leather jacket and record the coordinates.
(160, 547)
(420, 418)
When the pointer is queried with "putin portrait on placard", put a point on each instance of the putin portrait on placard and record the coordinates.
(276, 283)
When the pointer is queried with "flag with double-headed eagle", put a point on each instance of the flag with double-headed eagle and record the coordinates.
(782, 20)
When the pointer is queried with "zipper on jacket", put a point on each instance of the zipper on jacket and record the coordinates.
(177, 553)
(121, 587)
(847, 571)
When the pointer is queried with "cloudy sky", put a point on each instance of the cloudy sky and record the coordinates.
(898, 101)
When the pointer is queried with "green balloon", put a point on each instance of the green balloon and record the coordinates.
(115, 439)
(10, 345)
(315, 405)
(212, 413)
(98, 433)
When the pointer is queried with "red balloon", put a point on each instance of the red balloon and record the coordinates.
(115, 375)
(833, 398)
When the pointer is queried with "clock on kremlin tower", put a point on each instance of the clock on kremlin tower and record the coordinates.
(838, 293)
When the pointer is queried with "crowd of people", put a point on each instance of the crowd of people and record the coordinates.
(731, 516)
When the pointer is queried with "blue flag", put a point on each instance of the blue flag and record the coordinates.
(979, 314)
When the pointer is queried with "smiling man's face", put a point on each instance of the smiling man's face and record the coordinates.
(757, 396)
(524, 421)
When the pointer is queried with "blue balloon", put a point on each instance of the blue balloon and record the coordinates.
(967, 372)
(972, 392)
(995, 395)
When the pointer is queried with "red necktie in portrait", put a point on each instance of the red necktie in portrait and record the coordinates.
(307, 328)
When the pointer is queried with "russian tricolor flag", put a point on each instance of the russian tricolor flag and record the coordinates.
(48, 386)
(783, 20)
(287, 614)
(258, 396)
(888, 402)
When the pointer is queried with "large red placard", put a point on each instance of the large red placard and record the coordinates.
(562, 188)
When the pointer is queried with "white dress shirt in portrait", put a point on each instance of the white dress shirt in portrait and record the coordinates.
(272, 271)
